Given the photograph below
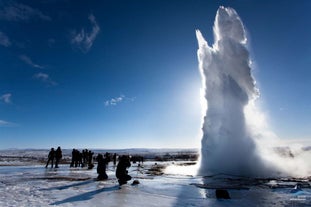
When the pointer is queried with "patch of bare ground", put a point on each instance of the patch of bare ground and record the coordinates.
(185, 163)
(156, 169)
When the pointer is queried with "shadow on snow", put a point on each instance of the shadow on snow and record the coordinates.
(69, 186)
(86, 196)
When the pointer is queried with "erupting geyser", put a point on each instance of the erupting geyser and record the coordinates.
(227, 144)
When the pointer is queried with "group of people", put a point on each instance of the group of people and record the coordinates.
(54, 155)
(81, 159)
(121, 172)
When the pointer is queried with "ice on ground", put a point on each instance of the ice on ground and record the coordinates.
(37, 186)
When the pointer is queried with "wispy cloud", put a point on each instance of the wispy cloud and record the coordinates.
(83, 39)
(117, 100)
(4, 123)
(45, 78)
(4, 40)
(114, 101)
(6, 98)
(28, 61)
(7, 124)
(21, 12)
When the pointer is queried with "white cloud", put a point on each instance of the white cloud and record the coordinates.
(83, 39)
(21, 12)
(4, 123)
(6, 98)
(114, 101)
(4, 40)
(28, 61)
(117, 100)
(45, 78)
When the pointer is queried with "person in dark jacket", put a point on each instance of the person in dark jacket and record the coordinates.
(101, 167)
(58, 156)
(73, 157)
(114, 159)
(51, 157)
(121, 172)
(90, 160)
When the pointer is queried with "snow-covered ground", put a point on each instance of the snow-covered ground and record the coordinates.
(34, 185)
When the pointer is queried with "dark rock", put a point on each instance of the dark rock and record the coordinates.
(135, 182)
(222, 194)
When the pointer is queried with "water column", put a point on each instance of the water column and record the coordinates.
(227, 145)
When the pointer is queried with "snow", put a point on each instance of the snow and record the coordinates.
(34, 185)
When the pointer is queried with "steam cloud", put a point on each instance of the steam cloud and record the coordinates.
(236, 138)
(227, 145)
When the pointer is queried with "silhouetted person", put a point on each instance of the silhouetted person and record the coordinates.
(90, 159)
(51, 157)
(73, 157)
(107, 157)
(101, 167)
(114, 159)
(77, 158)
(84, 157)
(80, 159)
(121, 172)
(58, 156)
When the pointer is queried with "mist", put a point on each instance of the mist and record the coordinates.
(236, 137)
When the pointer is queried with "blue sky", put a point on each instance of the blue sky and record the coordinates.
(123, 74)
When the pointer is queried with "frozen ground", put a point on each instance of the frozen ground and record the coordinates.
(33, 185)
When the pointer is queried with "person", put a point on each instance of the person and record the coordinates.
(84, 157)
(121, 172)
(50, 158)
(90, 159)
(79, 162)
(114, 159)
(101, 168)
(58, 156)
(73, 157)
(107, 157)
